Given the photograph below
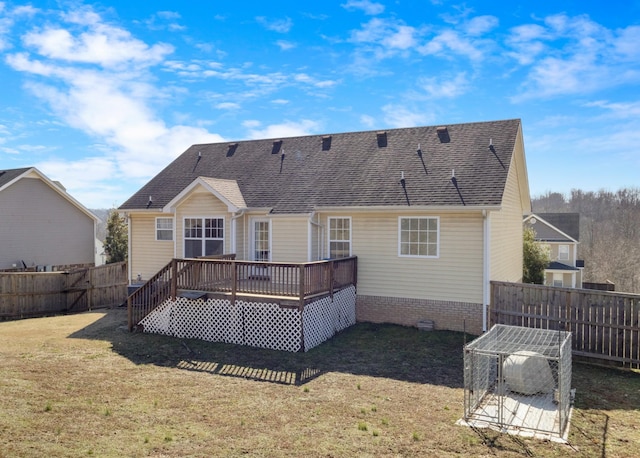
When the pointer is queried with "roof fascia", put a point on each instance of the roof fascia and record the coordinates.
(405, 209)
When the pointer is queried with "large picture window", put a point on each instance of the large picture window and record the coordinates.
(419, 236)
(339, 237)
(164, 228)
(203, 237)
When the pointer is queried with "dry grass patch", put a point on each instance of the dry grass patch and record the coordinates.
(82, 385)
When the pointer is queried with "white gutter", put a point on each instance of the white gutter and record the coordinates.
(486, 268)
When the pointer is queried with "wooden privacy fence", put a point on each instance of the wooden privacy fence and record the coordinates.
(604, 325)
(31, 294)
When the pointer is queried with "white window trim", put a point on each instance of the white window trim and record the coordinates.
(173, 229)
(560, 257)
(329, 239)
(437, 255)
(224, 230)
(252, 242)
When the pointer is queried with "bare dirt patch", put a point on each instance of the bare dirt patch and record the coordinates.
(82, 385)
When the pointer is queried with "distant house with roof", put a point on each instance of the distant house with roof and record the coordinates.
(433, 214)
(561, 233)
(42, 227)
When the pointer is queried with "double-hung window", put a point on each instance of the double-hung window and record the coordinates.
(339, 237)
(419, 236)
(164, 229)
(563, 252)
(203, 237)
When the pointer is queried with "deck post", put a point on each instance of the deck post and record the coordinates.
(234, 282)
(174, 279)
(331, 266)
(301, 305)
(129, 314)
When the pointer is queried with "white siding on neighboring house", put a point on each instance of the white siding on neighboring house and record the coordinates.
(41, 227)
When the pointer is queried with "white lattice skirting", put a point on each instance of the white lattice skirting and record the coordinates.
(257, 324)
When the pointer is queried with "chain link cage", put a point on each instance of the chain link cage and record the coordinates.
(518, 380)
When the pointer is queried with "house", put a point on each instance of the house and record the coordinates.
(433, 214)
(561, 233)
(42, 226)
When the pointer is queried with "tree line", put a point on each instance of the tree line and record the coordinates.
(609, 232)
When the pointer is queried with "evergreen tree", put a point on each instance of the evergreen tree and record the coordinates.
(536, 258)
(115, 245)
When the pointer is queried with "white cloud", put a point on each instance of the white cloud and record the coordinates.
(276, 25)
(366, 6)
(228, 106)
(451, 40)
(480, 25)
(396, 115)
(110, 102)
(280, 101)
(165, 20)
(442, 88)
(285, 45)
(102, 44)
(368, 121)
(285, 129)
(574, 55)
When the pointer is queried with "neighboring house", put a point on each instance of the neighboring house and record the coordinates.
(41, 225)
(432, 213)
(561, 233)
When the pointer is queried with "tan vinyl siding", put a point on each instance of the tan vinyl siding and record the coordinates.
(147, 255)
(555, 253)
(289, 239)
(506, 231)
(41, 227)
(202, 205)
(456, 275)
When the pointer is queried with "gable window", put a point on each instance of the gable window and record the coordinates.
(203, 237)
(419, 236)
(339, 237)
(164, 228)
(563, 252)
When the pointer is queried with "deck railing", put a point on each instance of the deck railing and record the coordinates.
(298, 281)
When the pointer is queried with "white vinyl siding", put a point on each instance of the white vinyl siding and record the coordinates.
(41, 227)
(339, 237)
(418, 237)
(147, 255)
(164, 229)
(506, 231)
(456, 275)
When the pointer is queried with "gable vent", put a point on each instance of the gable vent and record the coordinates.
(326, 143)
(443, 134)
(277, 144)
(382, 139)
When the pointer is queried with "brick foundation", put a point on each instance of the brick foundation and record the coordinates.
(446, 315)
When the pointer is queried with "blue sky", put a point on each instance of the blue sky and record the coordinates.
(102, 96)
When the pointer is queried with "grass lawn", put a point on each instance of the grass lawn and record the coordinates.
(82, 385)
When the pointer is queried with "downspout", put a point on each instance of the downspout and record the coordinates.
(320, 233)
(486, 270)
(235, 216)
(129, 258)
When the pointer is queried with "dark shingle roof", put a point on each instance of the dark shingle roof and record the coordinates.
(569, 223)
(351, 169)
(8, 175)
(555, 265)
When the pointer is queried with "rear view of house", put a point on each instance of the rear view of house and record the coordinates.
(41, 225)
(433, 214)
